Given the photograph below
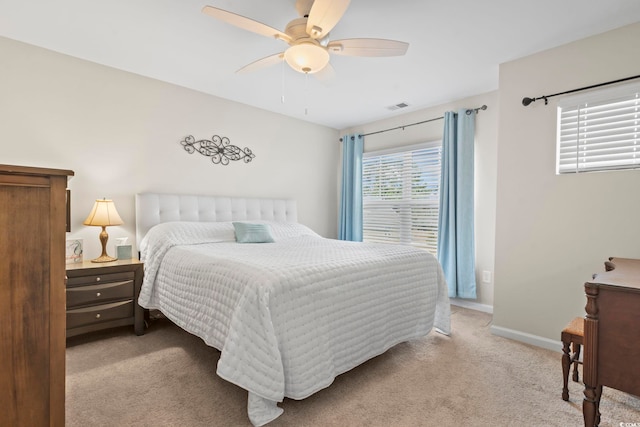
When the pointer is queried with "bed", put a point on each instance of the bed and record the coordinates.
(289, 310)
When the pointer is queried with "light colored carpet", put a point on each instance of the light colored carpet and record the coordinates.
(472, 378)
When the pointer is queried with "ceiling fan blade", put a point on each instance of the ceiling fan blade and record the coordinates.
(326, 73)
(368, 47)
(262, 63)
(324, 15)
(245, 23)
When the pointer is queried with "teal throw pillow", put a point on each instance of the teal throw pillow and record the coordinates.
(253, 233)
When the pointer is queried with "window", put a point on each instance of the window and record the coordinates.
(599, 131)
(401, 196)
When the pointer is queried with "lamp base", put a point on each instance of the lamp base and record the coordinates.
(104, 258)
(103, 241)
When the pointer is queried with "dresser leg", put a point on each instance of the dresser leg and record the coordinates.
(589, 406)
(598, 396)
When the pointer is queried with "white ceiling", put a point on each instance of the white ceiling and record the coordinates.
(455, 47)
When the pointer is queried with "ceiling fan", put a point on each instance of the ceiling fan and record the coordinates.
(308, 37)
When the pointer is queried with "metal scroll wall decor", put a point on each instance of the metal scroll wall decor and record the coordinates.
(219, 149)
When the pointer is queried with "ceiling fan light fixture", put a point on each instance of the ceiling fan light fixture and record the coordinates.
(308, 38)
(306, 58)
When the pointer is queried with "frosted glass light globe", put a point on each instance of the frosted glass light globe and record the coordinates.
(307, 57)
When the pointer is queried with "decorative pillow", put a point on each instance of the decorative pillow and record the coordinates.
(253, 233)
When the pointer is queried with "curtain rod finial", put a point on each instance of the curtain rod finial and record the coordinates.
(527, 101)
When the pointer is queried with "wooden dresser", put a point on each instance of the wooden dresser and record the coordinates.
(611, 334)
(33, 214)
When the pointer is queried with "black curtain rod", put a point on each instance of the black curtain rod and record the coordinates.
(484, 107)
(527, 101)
(405, 126)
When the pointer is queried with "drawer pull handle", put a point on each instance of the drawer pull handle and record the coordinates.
(98, 294)
(98, 316)
(97, 279)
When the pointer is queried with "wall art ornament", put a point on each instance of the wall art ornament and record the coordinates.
(219, 149)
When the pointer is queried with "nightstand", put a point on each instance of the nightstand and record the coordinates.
(104, 295)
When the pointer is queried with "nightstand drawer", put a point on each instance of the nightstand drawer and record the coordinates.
(99, 278)
(99, 313)
(96, 294)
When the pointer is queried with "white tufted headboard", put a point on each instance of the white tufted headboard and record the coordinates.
(154, 208)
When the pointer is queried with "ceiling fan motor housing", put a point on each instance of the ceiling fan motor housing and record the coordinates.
(297, 29)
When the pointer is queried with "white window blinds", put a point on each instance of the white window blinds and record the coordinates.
(401, 196)
(600, 131)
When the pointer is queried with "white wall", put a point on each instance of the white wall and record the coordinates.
(120, 133)
(485, 169)
(553, 232)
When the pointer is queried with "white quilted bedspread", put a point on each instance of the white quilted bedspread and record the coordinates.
(290, 316)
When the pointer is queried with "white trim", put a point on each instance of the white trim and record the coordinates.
(472, 305)
(527, 338)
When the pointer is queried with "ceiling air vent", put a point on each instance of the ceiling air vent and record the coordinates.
(398, 106)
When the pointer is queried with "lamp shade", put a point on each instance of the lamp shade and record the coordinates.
(103, 213)
(307, 57)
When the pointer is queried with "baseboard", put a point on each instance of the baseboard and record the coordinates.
(472, 305)
(527, 338)
(509, 333)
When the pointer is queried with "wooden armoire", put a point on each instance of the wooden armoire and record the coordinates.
(33, 216)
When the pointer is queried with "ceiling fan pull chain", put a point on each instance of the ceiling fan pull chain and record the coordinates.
(282, 91)
(306, 93)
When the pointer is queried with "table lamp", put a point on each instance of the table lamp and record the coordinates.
(103, 214)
